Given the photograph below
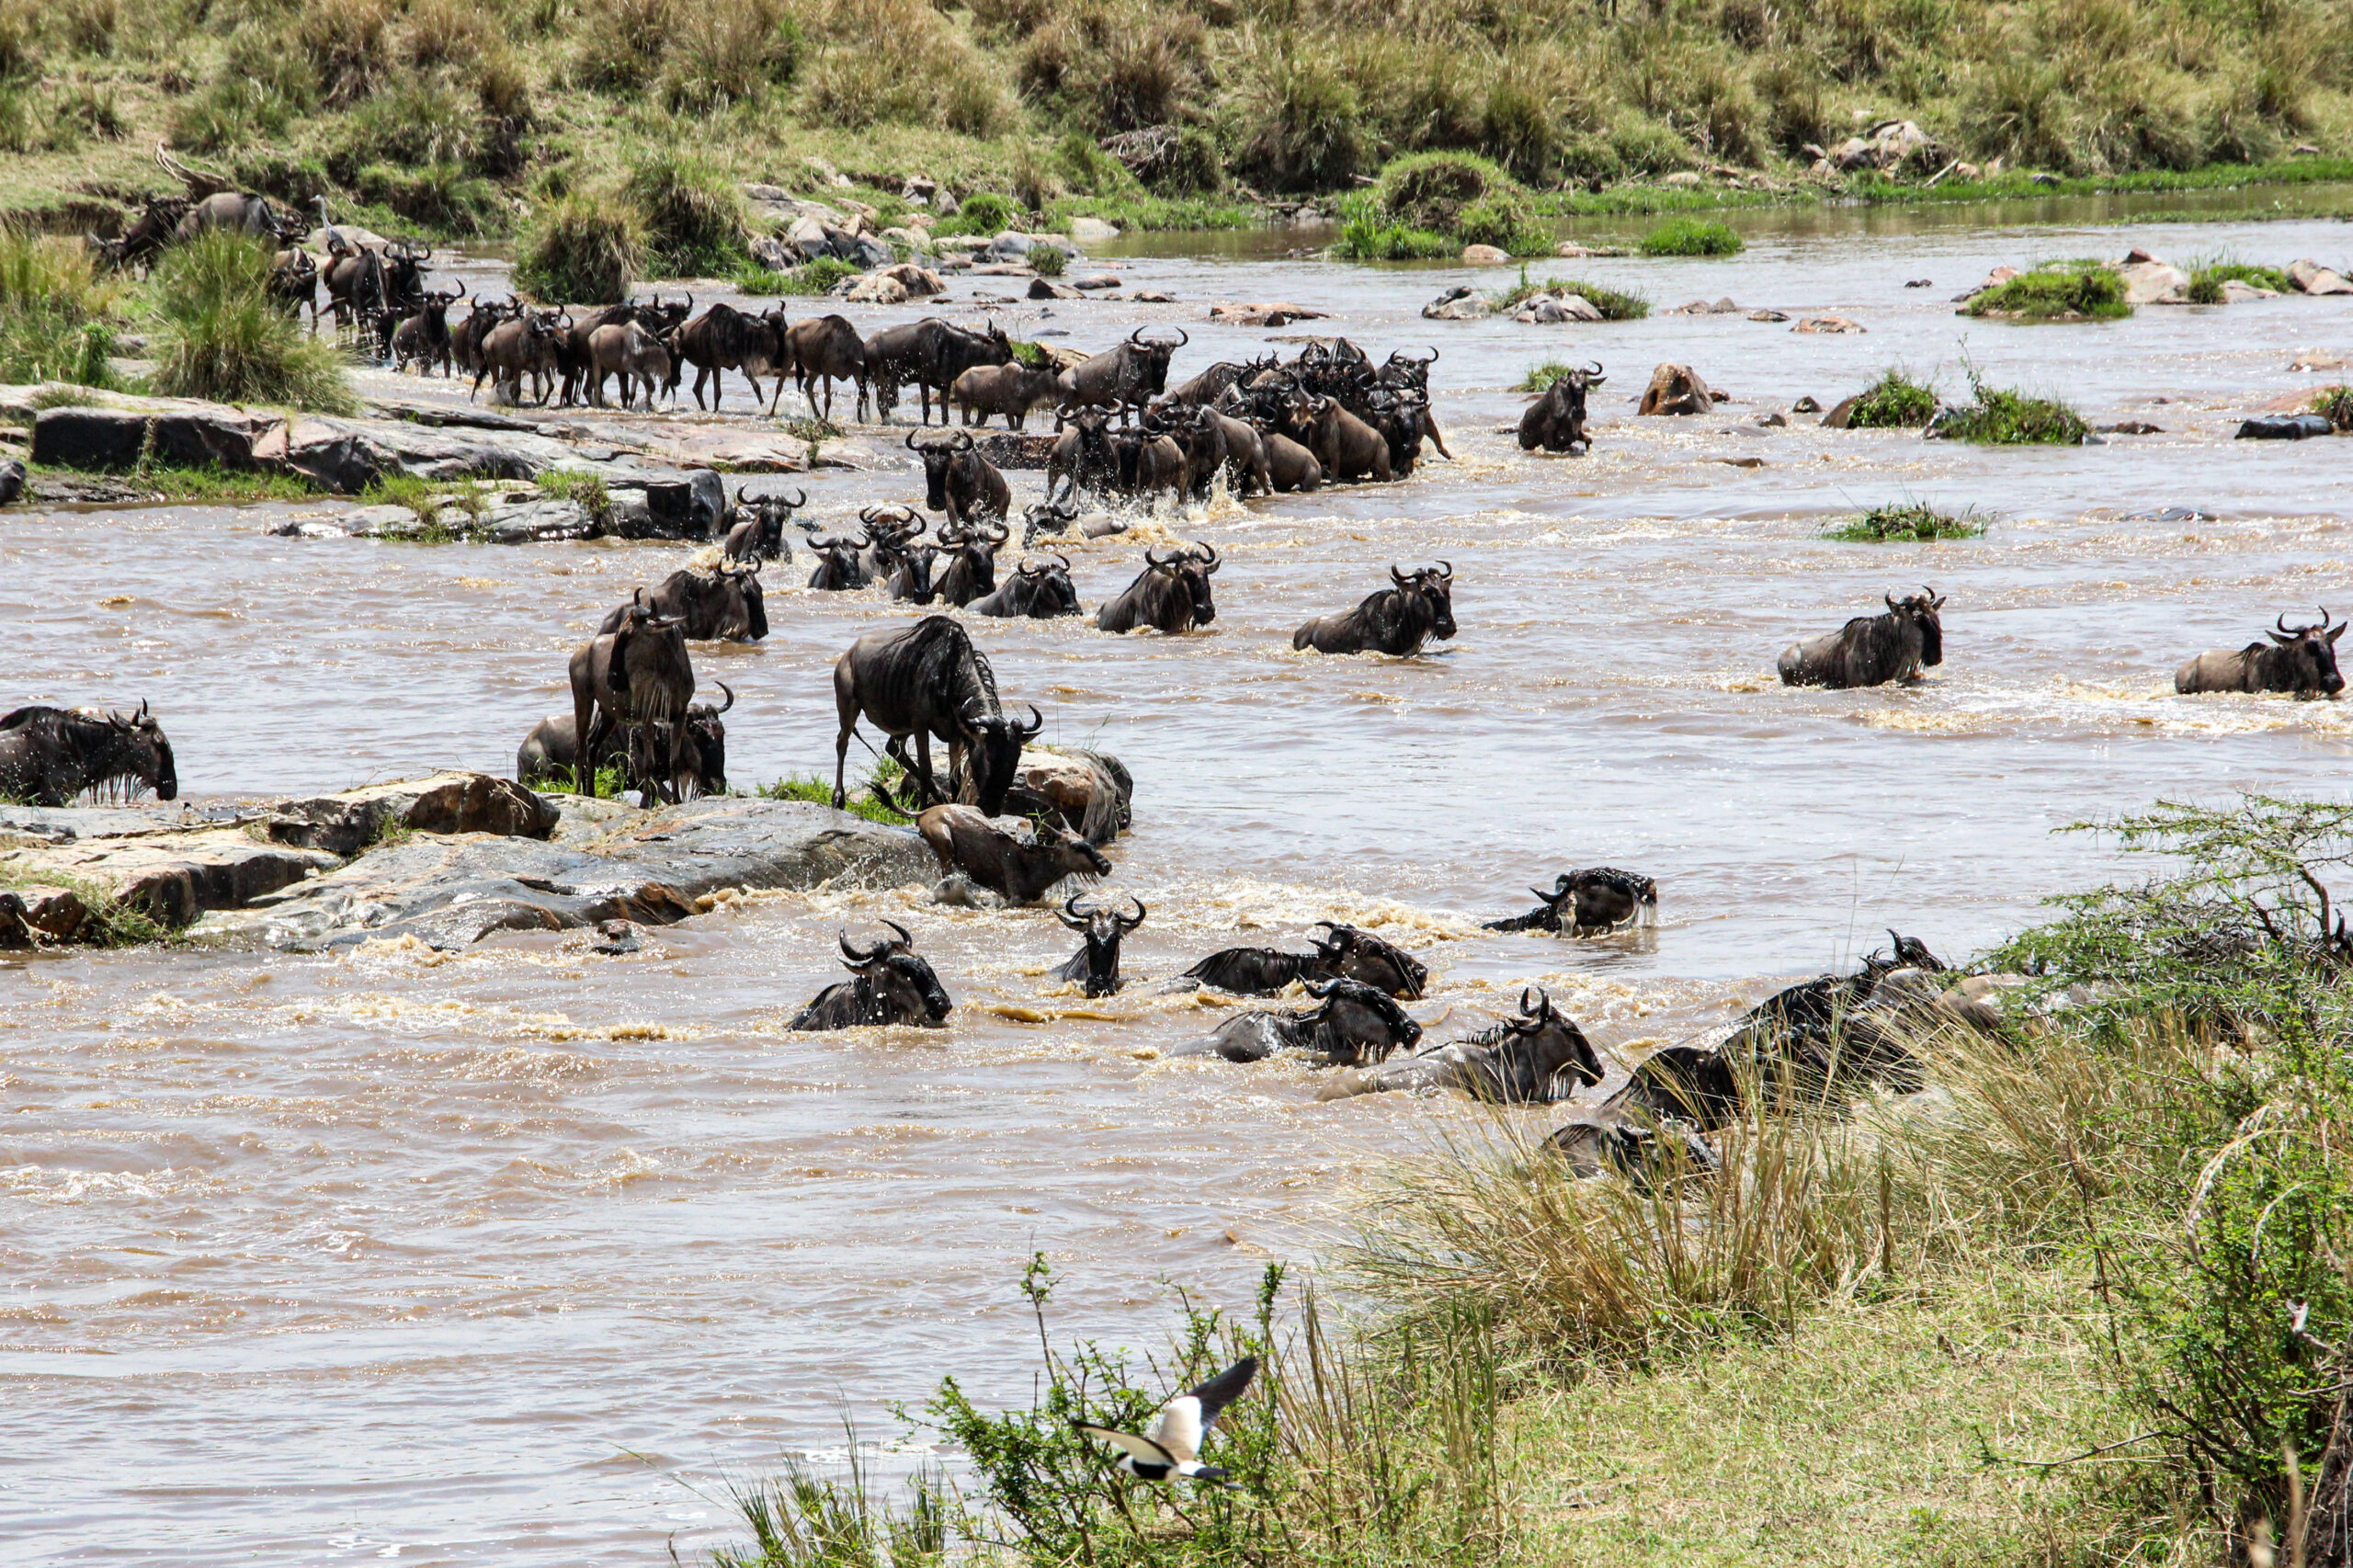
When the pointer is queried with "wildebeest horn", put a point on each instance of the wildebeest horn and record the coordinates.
(1890, 599)
(962, 443)
(906, 938)
(1037, 723)
(135, 718)
(731, 696)
(997, 534)
(1555, 896)
(863, 540)
(1152, 558)
(1207, 555)
(1062, 560)
(869, 956)
(1446, 569)
(1130, 923)
(1026, 570)
(1396, 577)
(796, 503)
(1136, 336)
(1070, 916)
(1543, 1008)
(911, 441)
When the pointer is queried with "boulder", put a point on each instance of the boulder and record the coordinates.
(358, 522)
(1090, 791)
(1995, 278)
(774, 254)
(453, 801)
(2285, 427)
(1151, 297)
(1681, 177)
(1485, 256)
(328, 453)
(2146, 282)
(172, 875)
(686, 504)
(1840, 412)
(1550, 310)
(2311, 277)
(1460, 303)
(877, 289)
(807, 235)
(1675, 389)
(56, 912)
(2237, 291)
(946, 204)
(1011, 244)
(538, 522)
(918, 189)
(1096, 283)
(1265, 313)
(1889, 144)
(1047, 289)
(1768, 315)
(185, 433)
(1832, 324)
(1092, 230)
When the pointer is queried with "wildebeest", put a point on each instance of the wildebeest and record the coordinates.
(525, 345)
(1125, 378)
(1599, 898)
(971, 572)
(49, 756)
(294, 279)
(1083, 459)
(572, 358)
(551, 753)
(639, 674)
(1396, 620)
(891, 986)
(910, 577)
(1872, 650)
(759, 535)
(355, 286)
(1289, 466)
(1013, 390)
(960, 481)
(214, 204)
(1556, 421)
(925, 681)
(147, 234)
(466, 337)
(1211, 385)
(841, 562)
(1345, 446)
(1649, 1150)
(1037, 590)
(933, 354)
(722, 604)
(723, 338)
(2301, 659)
(12, 481)
(1096, 965)
(1171, 593)
(1352, 1025)
(626, 349)
(1246, 466)
(1344, 951)
(423, 337)
(824, 349)
(1538, 1058)
(1020, 871)
(893, 531)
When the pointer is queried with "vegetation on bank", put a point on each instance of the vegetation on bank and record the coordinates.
(2337, 403)
(1693, 236)
(864, 797)
(57, 317)
(2055, 291)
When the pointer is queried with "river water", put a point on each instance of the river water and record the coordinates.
(476, 1257)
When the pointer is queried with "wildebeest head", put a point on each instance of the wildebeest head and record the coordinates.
(1546, 1043)
(1052, 592)
(995, 742)
(913, 579)
(1102, 929)
(1361, 1017)
(1433, 586)
(1362, 956)
(903, 983)
(936, 457)
(1153, 355)
(2310, 653)
(664, 317)
(1909, 952)
(842, 558)
(1920, 609)
(708, 735)
(1193, 567)
(141, 751)
(1404, 370)
(743, 577)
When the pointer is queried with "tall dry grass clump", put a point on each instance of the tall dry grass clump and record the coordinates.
(222, 338)
(579, 251)
(56, 312)
(690, 213)
(899, 62)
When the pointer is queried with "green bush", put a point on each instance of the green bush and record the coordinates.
(1364, 237)
(1615, 304)
(2008, 417)
(807, 281)
(1467, 199)
(1693, 236)
(1301, 121)
(2206, 282)
(690, 213)
(2056, 291)
(1193, 167)
(1894, 402)
(577, 252)
(1910, 523)
(55, 311)
(1048, 261)
(982, 212)
(2337, 403)
(224, 339)
(441, 197)
(1540, 378)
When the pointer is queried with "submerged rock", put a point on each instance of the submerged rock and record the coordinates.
(2311, 277)
(2285, 427)
(1675, 389)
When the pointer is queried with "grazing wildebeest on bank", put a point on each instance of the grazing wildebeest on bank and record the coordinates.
(1396, 620)
(49, 756)
(1096, 965)
(1037, 590)
(1125, 378)
(723, 338)
(723, 604)
(639, 674)
(824, 349)
(2301, 659)
(1538, 1058)
(841, 562)
(961, 840)
(1872, 650)
(891, 985)
(759, 535)
(1171, 593)
(1353, 1025)
(960, 481)
(928, 680)
(1599, 898)
(1556, 421)
(551, 753)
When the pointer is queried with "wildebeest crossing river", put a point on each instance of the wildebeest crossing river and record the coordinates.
(316, 1258)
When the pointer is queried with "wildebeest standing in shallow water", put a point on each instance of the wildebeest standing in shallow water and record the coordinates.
(891, 985)
(639, 675)
(1872, 650)
(961, 840)
(1096, 965)
(1396, 620)
(1556, 421)
(1354, 1025)
(551, 753)
(1599, 898)
(925, 681)
(49, 756)
(2302, 659)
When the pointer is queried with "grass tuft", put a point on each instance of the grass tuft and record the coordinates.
(1693, 236)
(224, 339)
(1433, 204)
(1894, 402)
(578, 252)
(2004, 417)
(2337, 403)
(2057, 292)
(1912, 522)
(807, 281)
(690, 213)
(1615, 304)
(861, 798)
(55, 311)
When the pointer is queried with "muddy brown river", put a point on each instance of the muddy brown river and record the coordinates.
(473, 1257)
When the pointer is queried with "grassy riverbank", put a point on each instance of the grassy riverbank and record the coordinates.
(2084, 1301)
(438, 118)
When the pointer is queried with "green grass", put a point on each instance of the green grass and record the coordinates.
(2056, 291)
(1431, 205)
(2004, 417)
(1693, 236)
(222, 338)
(2336, 401)
(1540, 376)
(820, 791)
(572, 485)
(2206, 280)
(690, 213)
(1912, 522)
(209, 485)
(1894, 401)
(56, 315)
(579, 251)
(111, 922)
(807, 281)
(1615, 304)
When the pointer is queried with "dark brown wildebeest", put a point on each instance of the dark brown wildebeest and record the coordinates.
(49, 756)
(1538, 1058)
(1354, 1025)
(1037, 591)
(355, 287)
(525, 346)
(910, 580)
(927, 681)
(1556, 421)
(1247, 470)
(571, 356)
(932, 354)
(892, 986)
(293, 280)
(1345, 952)
(723, 338)
(824, 349)
(466, 337)
(971, 572)
(1147, 464)
(1599, 898)
(147, 236)
(1125, 378)
(893, 530)
(552, 751)
(2301, 659)
(759, 535)
(1872, 650)
(1211, 385)
(1345, 446)
(1403, 418)
(1396, 620)
(639, 675)
(723, 604)
(1013, 390)
(423, 339)
(841, 562)
(960, 483)
(961, 840)
(1096, 965)
(1171, 593)
(1083, 459)
(1404, 372)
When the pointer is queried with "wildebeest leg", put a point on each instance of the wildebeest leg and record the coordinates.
(1429, 428)
(846, 704)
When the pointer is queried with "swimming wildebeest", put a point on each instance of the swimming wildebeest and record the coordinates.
(1125, 378)
(891, 985)
(928, 680)
(841, 562)
(1038, 590)
(639, 675)
(759, 535)
(1556, 421)
(1346, 953)
(1096, 965)
(723, 338)
(49, 756)
(1395, 620)
(1353, 1025)
(961, 840)
(1171, 593)
(1599, 898)
(960, 481)
(2301, 659)
(723, 604)
(1538, 1058)
(971, 572)
(1872, 650)
(551, 753)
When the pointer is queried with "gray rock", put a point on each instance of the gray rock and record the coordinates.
(655, 504)
(358, 522)
(1047, 289)
(191, 434)
(537, 522)
(442, 802)
(1011, 244)
(2286, 428)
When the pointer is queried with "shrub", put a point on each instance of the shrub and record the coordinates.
(1048, 261)
(621, 42)
(224, 339)
(1439, 191)
(346, 43)
(1692, 236)
(1301, 119)
(1364, 237)
(579, 252)
(1540, 376)
(983, 212)
(1912, 522)
(2206, 282)
(2056, 291)
(1615, 304)
(2337, 403)
(691, 214)
(899, 62)
(807, 281)
(442, 197)
(724, 52)
(1193, 165)
(1894, 401)
(2007, 417)
(54, 312)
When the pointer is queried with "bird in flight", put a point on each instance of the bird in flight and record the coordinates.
(1173, 1446)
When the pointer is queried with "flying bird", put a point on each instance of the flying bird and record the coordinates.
(1173, 1445)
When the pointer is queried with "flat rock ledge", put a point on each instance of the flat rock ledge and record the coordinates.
(447, 858)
